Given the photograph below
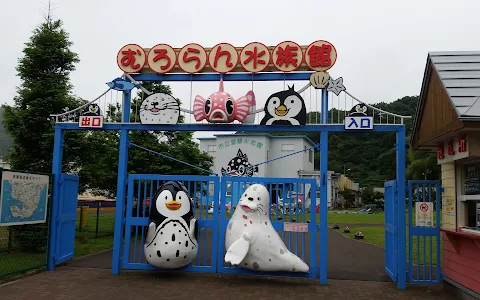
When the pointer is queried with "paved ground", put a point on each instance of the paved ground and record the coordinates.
(347, 259)
(94, 283)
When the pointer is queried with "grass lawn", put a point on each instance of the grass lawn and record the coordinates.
(106, 223)
(420, 246)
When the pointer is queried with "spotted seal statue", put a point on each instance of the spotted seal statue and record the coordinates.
(252, 242)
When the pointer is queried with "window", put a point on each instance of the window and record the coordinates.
(288, 147)
(310, 155)
(212, 149)
(468, 214)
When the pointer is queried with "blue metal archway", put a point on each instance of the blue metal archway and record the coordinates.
(323, 128)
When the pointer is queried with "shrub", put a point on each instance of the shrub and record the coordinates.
(32, 238)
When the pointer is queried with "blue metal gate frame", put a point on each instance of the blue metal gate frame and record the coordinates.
(151, 182)
(422, 191)
(238, 186)
(391, 230)
(63, 220)
(323, 129)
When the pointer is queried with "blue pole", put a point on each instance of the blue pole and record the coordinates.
(54, 220)
(401, 208)
(121, 186)
(323, 191)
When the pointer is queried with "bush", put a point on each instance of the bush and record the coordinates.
(30, 238)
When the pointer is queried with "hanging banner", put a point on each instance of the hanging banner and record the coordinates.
(223, 58)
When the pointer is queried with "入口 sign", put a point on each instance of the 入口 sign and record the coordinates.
(254, 57)
(358, 122)
(424, 214)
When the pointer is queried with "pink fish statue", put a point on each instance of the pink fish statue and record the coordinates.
(221, 107)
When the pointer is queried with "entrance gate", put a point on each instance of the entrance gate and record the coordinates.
(424, 265)
(325, 110)
(214, 203)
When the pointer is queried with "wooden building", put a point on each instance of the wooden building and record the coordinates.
(448, 121)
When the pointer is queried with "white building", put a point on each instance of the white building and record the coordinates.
(236, 151)
(4, 164)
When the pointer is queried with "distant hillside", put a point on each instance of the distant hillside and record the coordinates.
(5, 139)
(368, 158)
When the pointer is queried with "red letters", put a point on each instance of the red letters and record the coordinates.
(223, 58)
(186, 58)
(462, 144)
(219, 53)
(440, 152)
(255, 57)
(320, 55)
(192, 58)
(450, 148)
(287, 56)
(131, 58)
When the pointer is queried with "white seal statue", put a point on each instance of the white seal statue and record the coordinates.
(252, 242)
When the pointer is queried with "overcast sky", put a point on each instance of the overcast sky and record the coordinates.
(382, 45)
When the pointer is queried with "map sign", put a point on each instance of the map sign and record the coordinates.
(23, 198)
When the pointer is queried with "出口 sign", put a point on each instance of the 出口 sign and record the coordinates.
(254, 57)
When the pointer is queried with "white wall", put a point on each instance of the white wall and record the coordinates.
(260, 148)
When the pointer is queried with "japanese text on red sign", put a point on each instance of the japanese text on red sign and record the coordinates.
(255, 57)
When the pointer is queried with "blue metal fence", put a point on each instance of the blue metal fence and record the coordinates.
(141, 188)
(214, 203)
(302, 244)
(424, 265)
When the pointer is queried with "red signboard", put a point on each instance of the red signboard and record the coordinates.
(91, 121)
(254, 57)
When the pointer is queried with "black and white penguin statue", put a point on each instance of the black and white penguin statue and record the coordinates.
(171, 239)
(285, 108)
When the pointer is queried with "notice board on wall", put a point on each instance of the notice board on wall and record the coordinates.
(471, 179)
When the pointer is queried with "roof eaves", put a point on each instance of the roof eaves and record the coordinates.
(426, 80)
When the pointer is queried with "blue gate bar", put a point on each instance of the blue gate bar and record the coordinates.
(270, 76)
(401, 208)
(421, 191)
(232, 127)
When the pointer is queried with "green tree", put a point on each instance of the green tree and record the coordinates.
(422, 165)
(44, 71)
(99, 170)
